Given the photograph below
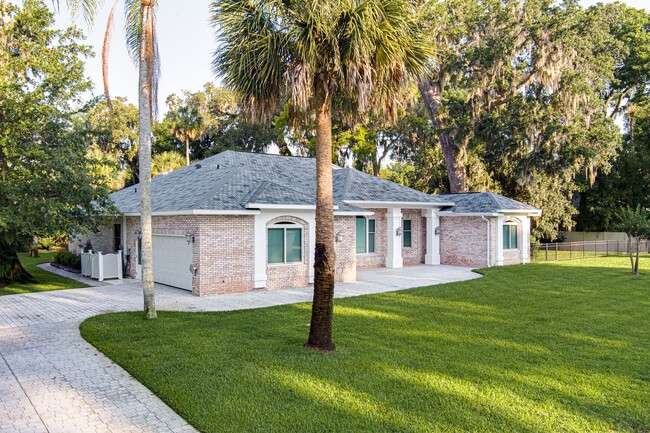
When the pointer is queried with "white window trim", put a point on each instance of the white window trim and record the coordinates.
(284, 225)
(516, 225)
(403, 231)
(368, 253)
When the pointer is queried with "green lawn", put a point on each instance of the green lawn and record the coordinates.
(46, 281)
(553, 347)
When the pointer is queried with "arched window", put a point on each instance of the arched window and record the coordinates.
(284, 243)
(510, 240)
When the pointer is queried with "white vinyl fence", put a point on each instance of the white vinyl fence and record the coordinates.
(101, 266)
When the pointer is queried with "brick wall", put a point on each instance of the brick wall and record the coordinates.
(463, 241)
(346, 251)
(415, 254)
(225, 244)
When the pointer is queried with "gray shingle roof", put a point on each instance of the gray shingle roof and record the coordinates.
(484, 203)
(234, 180)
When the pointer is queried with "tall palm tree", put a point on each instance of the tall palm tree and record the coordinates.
(141, 41)
(187, 125)
(346, 55)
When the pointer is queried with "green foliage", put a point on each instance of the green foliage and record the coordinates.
(538, 348)
(48, 184)
(164, 162)
(111, 135)
(69, 259)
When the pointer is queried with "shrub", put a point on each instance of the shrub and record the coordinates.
(66, 258)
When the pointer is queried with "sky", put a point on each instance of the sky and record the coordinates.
(186, 43)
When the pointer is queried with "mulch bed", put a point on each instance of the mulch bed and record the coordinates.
(66, 268)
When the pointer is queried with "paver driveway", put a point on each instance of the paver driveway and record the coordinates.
(51, 380)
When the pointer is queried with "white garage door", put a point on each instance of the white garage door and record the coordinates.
(172, 257)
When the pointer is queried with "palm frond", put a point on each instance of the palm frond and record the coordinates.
(105, 52)
(86, 8)
(252, 55)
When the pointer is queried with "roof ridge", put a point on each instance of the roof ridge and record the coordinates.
(346, 186)
(229, 172)
(254, 191)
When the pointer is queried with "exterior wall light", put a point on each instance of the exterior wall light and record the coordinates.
(339, 238)
(399, 231)
(189, 237)
(193, 269)
(138, 234)
(437, 231)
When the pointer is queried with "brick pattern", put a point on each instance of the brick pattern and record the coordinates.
(378, 258)
(346, 251)
(463, 241)
(226, 259)
(415, 254)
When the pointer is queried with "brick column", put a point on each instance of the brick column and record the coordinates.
(394, 242)
(432, 256)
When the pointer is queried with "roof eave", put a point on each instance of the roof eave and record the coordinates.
(399, 204)
(185, 212)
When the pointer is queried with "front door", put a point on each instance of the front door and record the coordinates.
(138, 259)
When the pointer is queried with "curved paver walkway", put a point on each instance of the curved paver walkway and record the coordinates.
(51, 380)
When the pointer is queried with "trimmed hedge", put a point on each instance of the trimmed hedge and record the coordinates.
(66, 258)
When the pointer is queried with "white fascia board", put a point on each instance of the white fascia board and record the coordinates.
(353, 213)
(197, 212)
(398, 204)
(283, 206)
(473, 214)
(537, 212)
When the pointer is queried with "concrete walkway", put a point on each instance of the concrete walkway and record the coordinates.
(51, 380)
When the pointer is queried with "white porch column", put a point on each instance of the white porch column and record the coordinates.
(259, 248)
(500, 221)
(525, 239)
(394, 242)
(312, 247)
(432, 256)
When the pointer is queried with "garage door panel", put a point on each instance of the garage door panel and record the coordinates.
(172, 257)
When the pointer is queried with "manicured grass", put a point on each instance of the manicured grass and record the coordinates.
(46, 281)
(553, 347)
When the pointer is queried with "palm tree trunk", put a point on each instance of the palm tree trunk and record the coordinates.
(322, 312)
(187, 151)
(144, 152)
(431, 92)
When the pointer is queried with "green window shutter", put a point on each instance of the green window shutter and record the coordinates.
(371, 236)
(276, 246)
(406, 233)
(294, 245)
(361, 235)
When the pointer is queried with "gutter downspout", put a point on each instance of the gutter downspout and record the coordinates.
(489, 262)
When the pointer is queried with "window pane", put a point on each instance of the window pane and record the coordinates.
(361, 235)
(294, 245)
(371, 242)
(276, 246)
(513, 237)
(506, 237)
(406, 233)
(407, 239)
(371, 226)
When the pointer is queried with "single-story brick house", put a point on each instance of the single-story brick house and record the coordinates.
(237, 222)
